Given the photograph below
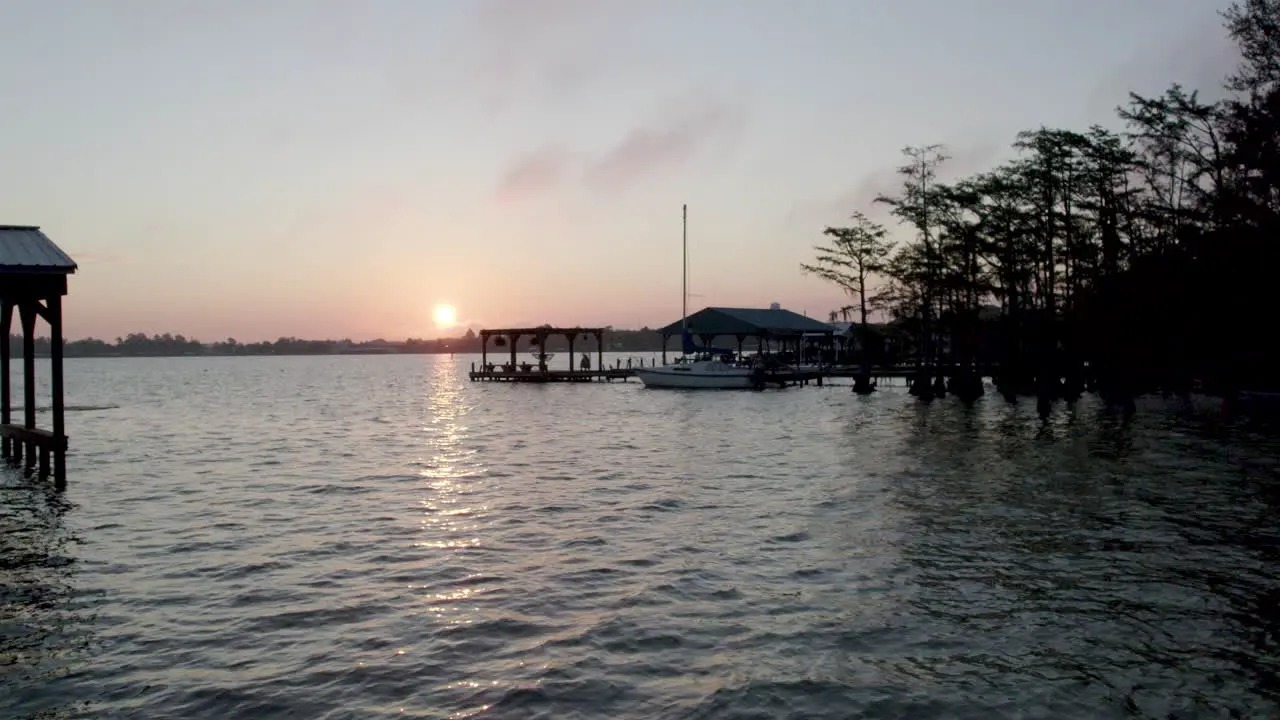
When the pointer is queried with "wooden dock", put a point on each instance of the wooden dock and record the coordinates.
(33, 281)
(535, 375)
(514, 370)
(795, 376)
(588, 341)
(802, 375)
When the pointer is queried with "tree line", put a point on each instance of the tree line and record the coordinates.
(169, 345)
(1127, 261)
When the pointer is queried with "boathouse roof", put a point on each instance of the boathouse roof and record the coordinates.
(748, 321)
(24, 249)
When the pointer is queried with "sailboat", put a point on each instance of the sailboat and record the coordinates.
(698, 368)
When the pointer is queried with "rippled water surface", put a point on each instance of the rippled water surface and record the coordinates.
(347, 537)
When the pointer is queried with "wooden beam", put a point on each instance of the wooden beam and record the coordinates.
(6, 408)
(54, 310)
(19, 287)
(541, 336)
(42, 310)
(27, 315)
(34, 436)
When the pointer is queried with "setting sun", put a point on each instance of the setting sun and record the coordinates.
(444, 315)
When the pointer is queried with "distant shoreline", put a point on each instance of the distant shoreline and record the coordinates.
(166, 345)
(344, 353)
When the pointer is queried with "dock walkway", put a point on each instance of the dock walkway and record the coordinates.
(535, 375)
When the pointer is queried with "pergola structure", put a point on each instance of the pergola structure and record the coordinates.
(510, 337)
(33, 279)
(773, 325)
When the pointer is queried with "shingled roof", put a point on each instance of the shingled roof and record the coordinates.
(748, 321)
(24, 249)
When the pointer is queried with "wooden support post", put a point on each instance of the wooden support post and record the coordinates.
(664, 348)
(512, 339)
(600, 350)
(27, 315)
(572, 357)
(6, 328)
(56, 385)
(484, 352)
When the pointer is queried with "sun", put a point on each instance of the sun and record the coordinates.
(444, 316)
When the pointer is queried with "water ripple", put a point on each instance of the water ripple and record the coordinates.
(370, 537)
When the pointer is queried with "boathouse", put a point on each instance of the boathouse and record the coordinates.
(536, 369)
(772, 328)
(33, 280)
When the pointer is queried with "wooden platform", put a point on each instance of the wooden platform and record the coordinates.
(536, 376)
(33, 281)
(31, 444)
(850, 371)
(802, 375)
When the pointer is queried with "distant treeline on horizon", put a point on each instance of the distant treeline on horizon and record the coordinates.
(168, 345)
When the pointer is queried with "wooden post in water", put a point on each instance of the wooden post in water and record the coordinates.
(6, 329)
(56, 402)
(33, 279)
(600, 352)
(27, 316)
(572, 334)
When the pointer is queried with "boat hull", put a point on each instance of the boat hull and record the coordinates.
(677, 380)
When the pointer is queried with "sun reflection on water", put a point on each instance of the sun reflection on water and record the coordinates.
(450, 465)
(450, 521)
(447, 434)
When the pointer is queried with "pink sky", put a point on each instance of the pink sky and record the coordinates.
(331, 169)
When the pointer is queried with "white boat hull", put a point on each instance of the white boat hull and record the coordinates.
(687, 377)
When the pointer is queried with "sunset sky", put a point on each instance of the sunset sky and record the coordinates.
(326, 168)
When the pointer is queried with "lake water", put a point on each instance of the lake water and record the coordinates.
(366, 537)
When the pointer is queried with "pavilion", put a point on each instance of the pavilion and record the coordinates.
(33, 280)
(789, 330)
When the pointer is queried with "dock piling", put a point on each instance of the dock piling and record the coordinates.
(33, 279)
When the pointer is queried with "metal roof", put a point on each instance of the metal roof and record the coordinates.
(748, 321)
(545, 330)
(24, 249)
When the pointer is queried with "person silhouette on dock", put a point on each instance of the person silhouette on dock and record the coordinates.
(586, 362)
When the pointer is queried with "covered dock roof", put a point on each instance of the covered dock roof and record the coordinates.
(24, 249)
(750, 322)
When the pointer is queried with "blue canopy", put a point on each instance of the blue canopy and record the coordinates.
(689, 348)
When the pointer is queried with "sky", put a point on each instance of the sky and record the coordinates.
(337, 168)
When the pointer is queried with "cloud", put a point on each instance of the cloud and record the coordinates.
(646, 150)
(962, 162)
(544, 47)
(663, 144)
(535, 173)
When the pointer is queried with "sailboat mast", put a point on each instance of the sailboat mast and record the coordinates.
(684, 270)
